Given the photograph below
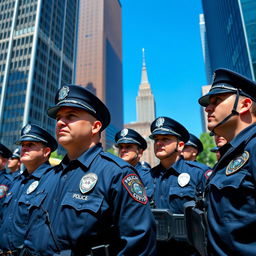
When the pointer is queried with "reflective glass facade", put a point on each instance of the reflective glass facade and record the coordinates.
(37, 57)
(99, 58)
(230, 31)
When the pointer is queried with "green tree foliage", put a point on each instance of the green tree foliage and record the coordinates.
(112, 151)
(55, 155)
(207, 157)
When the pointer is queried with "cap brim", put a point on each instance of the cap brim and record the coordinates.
(28, 138)
(52, 112)
(205, 100)
(161, 132)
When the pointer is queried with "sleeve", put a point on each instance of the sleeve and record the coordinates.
(132, 215)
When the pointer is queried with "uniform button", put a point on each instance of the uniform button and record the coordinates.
(65, 176)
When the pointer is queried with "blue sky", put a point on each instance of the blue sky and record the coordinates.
(169, 32)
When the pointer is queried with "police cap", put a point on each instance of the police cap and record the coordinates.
(79, 97)
(4, 151)
(16, 153)
(195, 142)
(130, 136)
(32, 132)
(167, 126)
(227, 81)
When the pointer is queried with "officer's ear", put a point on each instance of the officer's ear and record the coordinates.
(47, 152)
(180, 146)
(245, 105)
(96, 126)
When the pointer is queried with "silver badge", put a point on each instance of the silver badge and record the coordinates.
(32, 187)
(27, 129)
(16, 151)
(183, 179)
(63, 93)
(160, 122)
(124, 132)
(88, 182)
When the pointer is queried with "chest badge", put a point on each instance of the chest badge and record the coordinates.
(88, 182)
(237, 163)
(183, 179)
(32, 187)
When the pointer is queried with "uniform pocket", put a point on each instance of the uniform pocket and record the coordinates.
(187, 191)
(81, 202)
(33, 200)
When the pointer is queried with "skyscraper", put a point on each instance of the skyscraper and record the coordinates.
(99, 58)
(231, 38)
(145, 106)
(37, 43)
(145, 102)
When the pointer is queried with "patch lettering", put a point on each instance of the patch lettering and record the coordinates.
(80, 197)
(135, 188)
(237, 163)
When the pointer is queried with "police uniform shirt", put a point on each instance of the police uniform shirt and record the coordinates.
(144, 173)
(17, 206)
(231, 198)
(91, 194)
(171, 188)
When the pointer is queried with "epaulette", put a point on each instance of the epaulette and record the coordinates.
(199, 165)
(120, 162)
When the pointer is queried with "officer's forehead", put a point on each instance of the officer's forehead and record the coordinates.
(221, 95)
(69, 110)
(162, 136)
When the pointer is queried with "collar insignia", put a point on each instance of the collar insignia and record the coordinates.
(183, 179)
(160, 122)
(237, 163)
(88, 182)
(32, 187)
(63, 93)
(27, 129)
(124, 132)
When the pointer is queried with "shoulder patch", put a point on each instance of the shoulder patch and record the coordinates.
(208, 173)
(135, 188)
(3, 190)
(237, 163)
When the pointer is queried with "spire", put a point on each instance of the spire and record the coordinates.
(144, 75)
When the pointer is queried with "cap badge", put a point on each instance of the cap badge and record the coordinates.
(160, 122)
(32, 187)
(124, 132)
(183, 179)
(27, 129)
(63, 93)
(237, 163)
(16, 151)
(88, 182)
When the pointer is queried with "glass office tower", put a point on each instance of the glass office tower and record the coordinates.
(99, 58)
(37, 42)
(231, 37)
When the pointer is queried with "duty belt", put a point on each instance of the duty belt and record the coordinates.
(169, 225)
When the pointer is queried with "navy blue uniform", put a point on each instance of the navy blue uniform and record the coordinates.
(144, 172)
(17, 207)
(231, 198)
(165, 191)
(93, 200)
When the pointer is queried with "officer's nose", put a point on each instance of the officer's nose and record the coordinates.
(209, 108)
(60, 122)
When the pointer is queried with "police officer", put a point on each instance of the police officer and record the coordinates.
(5, 178)
(192, 148)
(95, 200)
(230, 193)
(130, 146)
(36, 147)
(14, 162)
(174, 181)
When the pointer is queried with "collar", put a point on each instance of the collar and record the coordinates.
(83, 161)
(41, 170)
